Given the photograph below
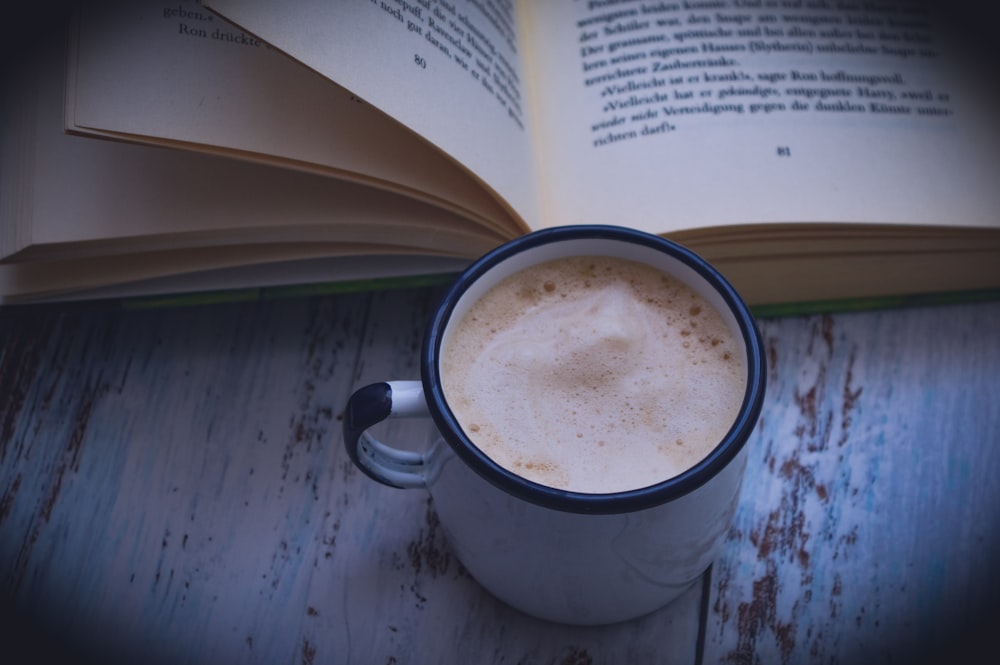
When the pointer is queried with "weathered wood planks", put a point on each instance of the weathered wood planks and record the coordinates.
(173, 488)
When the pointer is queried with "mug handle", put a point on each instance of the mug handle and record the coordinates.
(390, 466)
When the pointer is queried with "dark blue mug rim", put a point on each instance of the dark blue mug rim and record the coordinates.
(580, 502)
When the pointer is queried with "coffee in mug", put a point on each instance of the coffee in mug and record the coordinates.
(593, 374)
(593, 388)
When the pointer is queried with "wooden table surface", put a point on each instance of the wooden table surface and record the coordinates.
(174, 488)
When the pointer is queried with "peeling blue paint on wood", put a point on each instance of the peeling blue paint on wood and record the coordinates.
(173, 488)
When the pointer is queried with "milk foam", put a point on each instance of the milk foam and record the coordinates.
(594, 374)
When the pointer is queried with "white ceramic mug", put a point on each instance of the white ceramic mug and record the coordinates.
(560, 555)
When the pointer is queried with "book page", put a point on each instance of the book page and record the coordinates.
(176, 73)
(669, 115)
(450, 70)
(68, 196)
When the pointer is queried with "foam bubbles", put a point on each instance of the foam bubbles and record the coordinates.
(593, 374)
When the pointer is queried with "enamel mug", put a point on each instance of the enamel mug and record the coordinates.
(560, 555)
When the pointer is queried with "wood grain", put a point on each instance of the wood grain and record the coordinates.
(173, 488)
(868, 529)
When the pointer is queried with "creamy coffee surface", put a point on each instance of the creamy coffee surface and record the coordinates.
(594, 374)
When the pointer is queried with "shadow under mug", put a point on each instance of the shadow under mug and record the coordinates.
(565, 556)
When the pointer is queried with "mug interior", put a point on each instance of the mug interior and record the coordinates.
(618, 242)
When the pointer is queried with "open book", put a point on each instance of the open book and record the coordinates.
(811, 153)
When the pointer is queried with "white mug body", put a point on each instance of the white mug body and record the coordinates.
(565, 556)
(578, 568)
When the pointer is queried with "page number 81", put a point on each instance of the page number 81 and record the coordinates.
(784, 151)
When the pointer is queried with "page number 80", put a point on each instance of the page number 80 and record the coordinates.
(419, 61)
